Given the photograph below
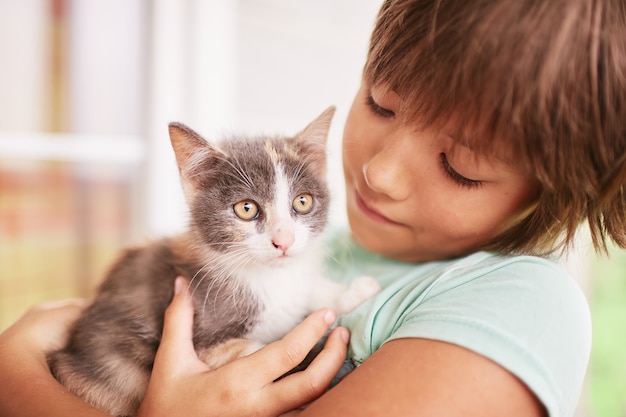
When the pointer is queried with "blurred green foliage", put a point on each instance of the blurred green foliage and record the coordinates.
(607, 372)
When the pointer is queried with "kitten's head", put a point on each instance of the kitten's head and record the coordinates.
(255, 201)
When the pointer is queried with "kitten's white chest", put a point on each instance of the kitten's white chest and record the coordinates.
(284, 294)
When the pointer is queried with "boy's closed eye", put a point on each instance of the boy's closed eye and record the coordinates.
(455, 176)
(377, 109)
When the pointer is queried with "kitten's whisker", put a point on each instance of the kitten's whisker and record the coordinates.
(242, 175)
(218, 275)
(245, 175)
(305, 161)
(223, 270)
(239, 262)
(328, 253)
(194, 278)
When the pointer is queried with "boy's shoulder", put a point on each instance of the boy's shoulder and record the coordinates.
(525, 313)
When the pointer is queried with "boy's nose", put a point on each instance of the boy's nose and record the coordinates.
(385, 173)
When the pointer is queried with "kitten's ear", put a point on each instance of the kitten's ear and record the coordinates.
(193, 156)
(314, 137)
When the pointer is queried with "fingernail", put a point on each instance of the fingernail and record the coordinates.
(344, 334)
(329, 317)
(179, 285)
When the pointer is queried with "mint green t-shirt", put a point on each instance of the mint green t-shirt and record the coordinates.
(525, 313)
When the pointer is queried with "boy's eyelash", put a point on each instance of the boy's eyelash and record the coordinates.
(455, 176)
(379, 111)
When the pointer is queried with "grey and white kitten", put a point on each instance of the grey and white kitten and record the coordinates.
(252, 254)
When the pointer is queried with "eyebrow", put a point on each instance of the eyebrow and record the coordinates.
(462, 140)
(492, 157)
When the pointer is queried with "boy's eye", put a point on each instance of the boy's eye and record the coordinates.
(377, 109)
(455, 176)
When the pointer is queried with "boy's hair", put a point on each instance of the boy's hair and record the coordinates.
(545, 79)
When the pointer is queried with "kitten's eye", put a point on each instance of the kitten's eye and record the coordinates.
(246, 210)
(303, 203)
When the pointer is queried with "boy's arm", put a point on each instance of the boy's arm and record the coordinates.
(406, 377)
(26, 386)
(180, 383)
(420, 377)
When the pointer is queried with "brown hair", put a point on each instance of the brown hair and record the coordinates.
(545, 79)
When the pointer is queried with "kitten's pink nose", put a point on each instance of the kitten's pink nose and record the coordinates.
(282, 240)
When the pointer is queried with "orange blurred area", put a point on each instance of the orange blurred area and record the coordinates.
(59, 229)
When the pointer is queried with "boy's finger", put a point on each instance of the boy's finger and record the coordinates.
(176, 341)
(288, 352)
(303, 387)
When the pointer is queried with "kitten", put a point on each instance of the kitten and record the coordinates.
(252, 254)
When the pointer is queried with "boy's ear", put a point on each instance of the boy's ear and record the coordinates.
(194, 156)
(314, 138)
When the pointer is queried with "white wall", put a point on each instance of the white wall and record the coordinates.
(132, 66)
(252, 66)
(22, 76)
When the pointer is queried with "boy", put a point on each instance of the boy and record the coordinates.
(484, 133)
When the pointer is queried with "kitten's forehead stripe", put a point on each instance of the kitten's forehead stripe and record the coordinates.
(280, 149)
(272, 152)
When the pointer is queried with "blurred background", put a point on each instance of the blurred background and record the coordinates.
(87, 88)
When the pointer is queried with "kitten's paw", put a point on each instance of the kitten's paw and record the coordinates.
(364, 287)
(252, 347)
(360, 289)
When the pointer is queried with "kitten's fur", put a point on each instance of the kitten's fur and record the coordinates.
(252, 279)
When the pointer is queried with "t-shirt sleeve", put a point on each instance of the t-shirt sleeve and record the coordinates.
(525, 314)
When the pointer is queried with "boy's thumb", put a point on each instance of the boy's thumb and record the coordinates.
(177, 340)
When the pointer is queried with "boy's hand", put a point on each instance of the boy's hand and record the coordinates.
(44, 327)
(181, 384)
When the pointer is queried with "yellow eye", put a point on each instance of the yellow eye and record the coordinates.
(246, 210)
(303, 203)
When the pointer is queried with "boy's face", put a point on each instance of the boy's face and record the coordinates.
(413, 195)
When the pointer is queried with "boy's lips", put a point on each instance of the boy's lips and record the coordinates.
(371, 212)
